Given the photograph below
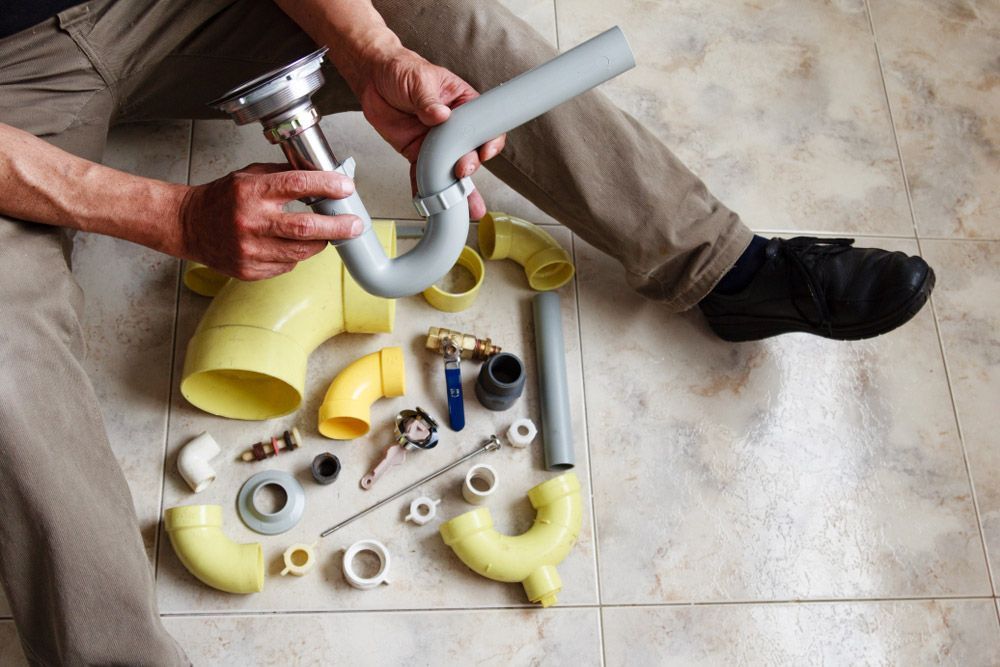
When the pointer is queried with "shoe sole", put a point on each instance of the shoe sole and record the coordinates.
(740, 329)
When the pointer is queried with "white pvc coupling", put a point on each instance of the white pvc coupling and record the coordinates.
(192, 462)
(480, 483)
(355, 579)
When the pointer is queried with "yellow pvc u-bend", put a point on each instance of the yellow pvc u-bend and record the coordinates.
(196, 534)
(248, 357)
(529, 558)
(345, 413)
(545, 263)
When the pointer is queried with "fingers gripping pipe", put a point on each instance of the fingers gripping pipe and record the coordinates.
(280, 100)
(529, 558)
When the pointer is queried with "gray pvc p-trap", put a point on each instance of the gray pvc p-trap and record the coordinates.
(493, 113)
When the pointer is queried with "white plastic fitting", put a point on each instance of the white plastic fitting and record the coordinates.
(522, 433)
(422, 510)
(299, 559)
(192, 462)
(355, 579)
(480, 483)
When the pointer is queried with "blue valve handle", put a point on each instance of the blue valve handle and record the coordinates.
(456, 405)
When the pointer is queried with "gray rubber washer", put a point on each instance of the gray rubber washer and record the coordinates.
(271, 523)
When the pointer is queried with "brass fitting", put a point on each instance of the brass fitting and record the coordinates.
(479, 349)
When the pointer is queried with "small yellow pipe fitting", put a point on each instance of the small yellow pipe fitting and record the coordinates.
(196, 534)
(345, 413)
(248, 357)
(529, 558)
(545, 263)
(454, 302)
(202, 280)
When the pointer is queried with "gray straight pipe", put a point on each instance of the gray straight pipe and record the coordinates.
(493, 113)
(553, 388)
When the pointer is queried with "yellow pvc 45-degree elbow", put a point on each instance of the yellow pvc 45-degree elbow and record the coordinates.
(196, 534)
(248, 357)
(529, 558)
(345, 413)
(545, 263)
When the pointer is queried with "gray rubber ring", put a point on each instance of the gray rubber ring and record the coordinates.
(271, 523)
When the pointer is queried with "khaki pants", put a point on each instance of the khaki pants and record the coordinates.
(587, 164)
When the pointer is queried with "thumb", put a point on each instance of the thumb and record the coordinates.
(428, 106)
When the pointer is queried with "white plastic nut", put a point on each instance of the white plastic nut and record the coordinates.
(480, 483)
(355, 579)
(422, 510)
(299, 559)
(522, 433)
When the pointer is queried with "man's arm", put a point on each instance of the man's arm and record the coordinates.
(402, 94)
(235, 224)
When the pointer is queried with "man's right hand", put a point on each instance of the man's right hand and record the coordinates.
(237, 224)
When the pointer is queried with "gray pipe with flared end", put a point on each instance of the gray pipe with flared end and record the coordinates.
(553, 388)
(280, 100)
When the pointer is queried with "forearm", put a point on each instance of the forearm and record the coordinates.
(353, 30)
(41, 183)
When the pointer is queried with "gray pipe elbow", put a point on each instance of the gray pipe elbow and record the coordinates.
(493, 113)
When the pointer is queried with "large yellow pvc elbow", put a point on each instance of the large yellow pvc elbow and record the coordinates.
(346, 410)
(248, 357)
(196, 534)
(545, 263)
(529, 558)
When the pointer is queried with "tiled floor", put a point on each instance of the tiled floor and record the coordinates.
(794, 501)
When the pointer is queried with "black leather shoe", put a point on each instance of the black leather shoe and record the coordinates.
(824, 287)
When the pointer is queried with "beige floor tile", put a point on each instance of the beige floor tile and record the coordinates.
(508, 637)
(943, 80)
(968, 307)
(947, 632)
(427, 575)
(778, 106)
(783, 469)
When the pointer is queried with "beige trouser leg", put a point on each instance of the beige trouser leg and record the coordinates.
(72, 560)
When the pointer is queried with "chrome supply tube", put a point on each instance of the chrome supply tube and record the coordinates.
(280, 100)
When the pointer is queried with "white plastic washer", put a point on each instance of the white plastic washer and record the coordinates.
(291, 567)
(422, 510)
(355, 579)
(522, 433)
(484, 472)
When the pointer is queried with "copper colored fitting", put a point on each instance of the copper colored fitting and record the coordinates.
(471, 347)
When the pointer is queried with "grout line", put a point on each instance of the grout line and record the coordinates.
(521, 608)
(587, 439)
(173, 366)
(892, 119)
(555, 16)
(933, 306)
(961, 438)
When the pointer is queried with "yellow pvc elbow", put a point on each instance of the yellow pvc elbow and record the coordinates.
(196, 534)
(529, 558)
(248, 357)
(545, 263)
(345, 413)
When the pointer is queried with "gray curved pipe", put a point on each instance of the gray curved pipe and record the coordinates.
(493, 113)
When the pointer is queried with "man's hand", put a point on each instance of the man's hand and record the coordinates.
(404, 95)
(238, 225)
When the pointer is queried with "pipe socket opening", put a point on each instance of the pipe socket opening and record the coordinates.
(299, 559)
(241, 394)
(460, 286)
(480, 483)
(269, 499)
